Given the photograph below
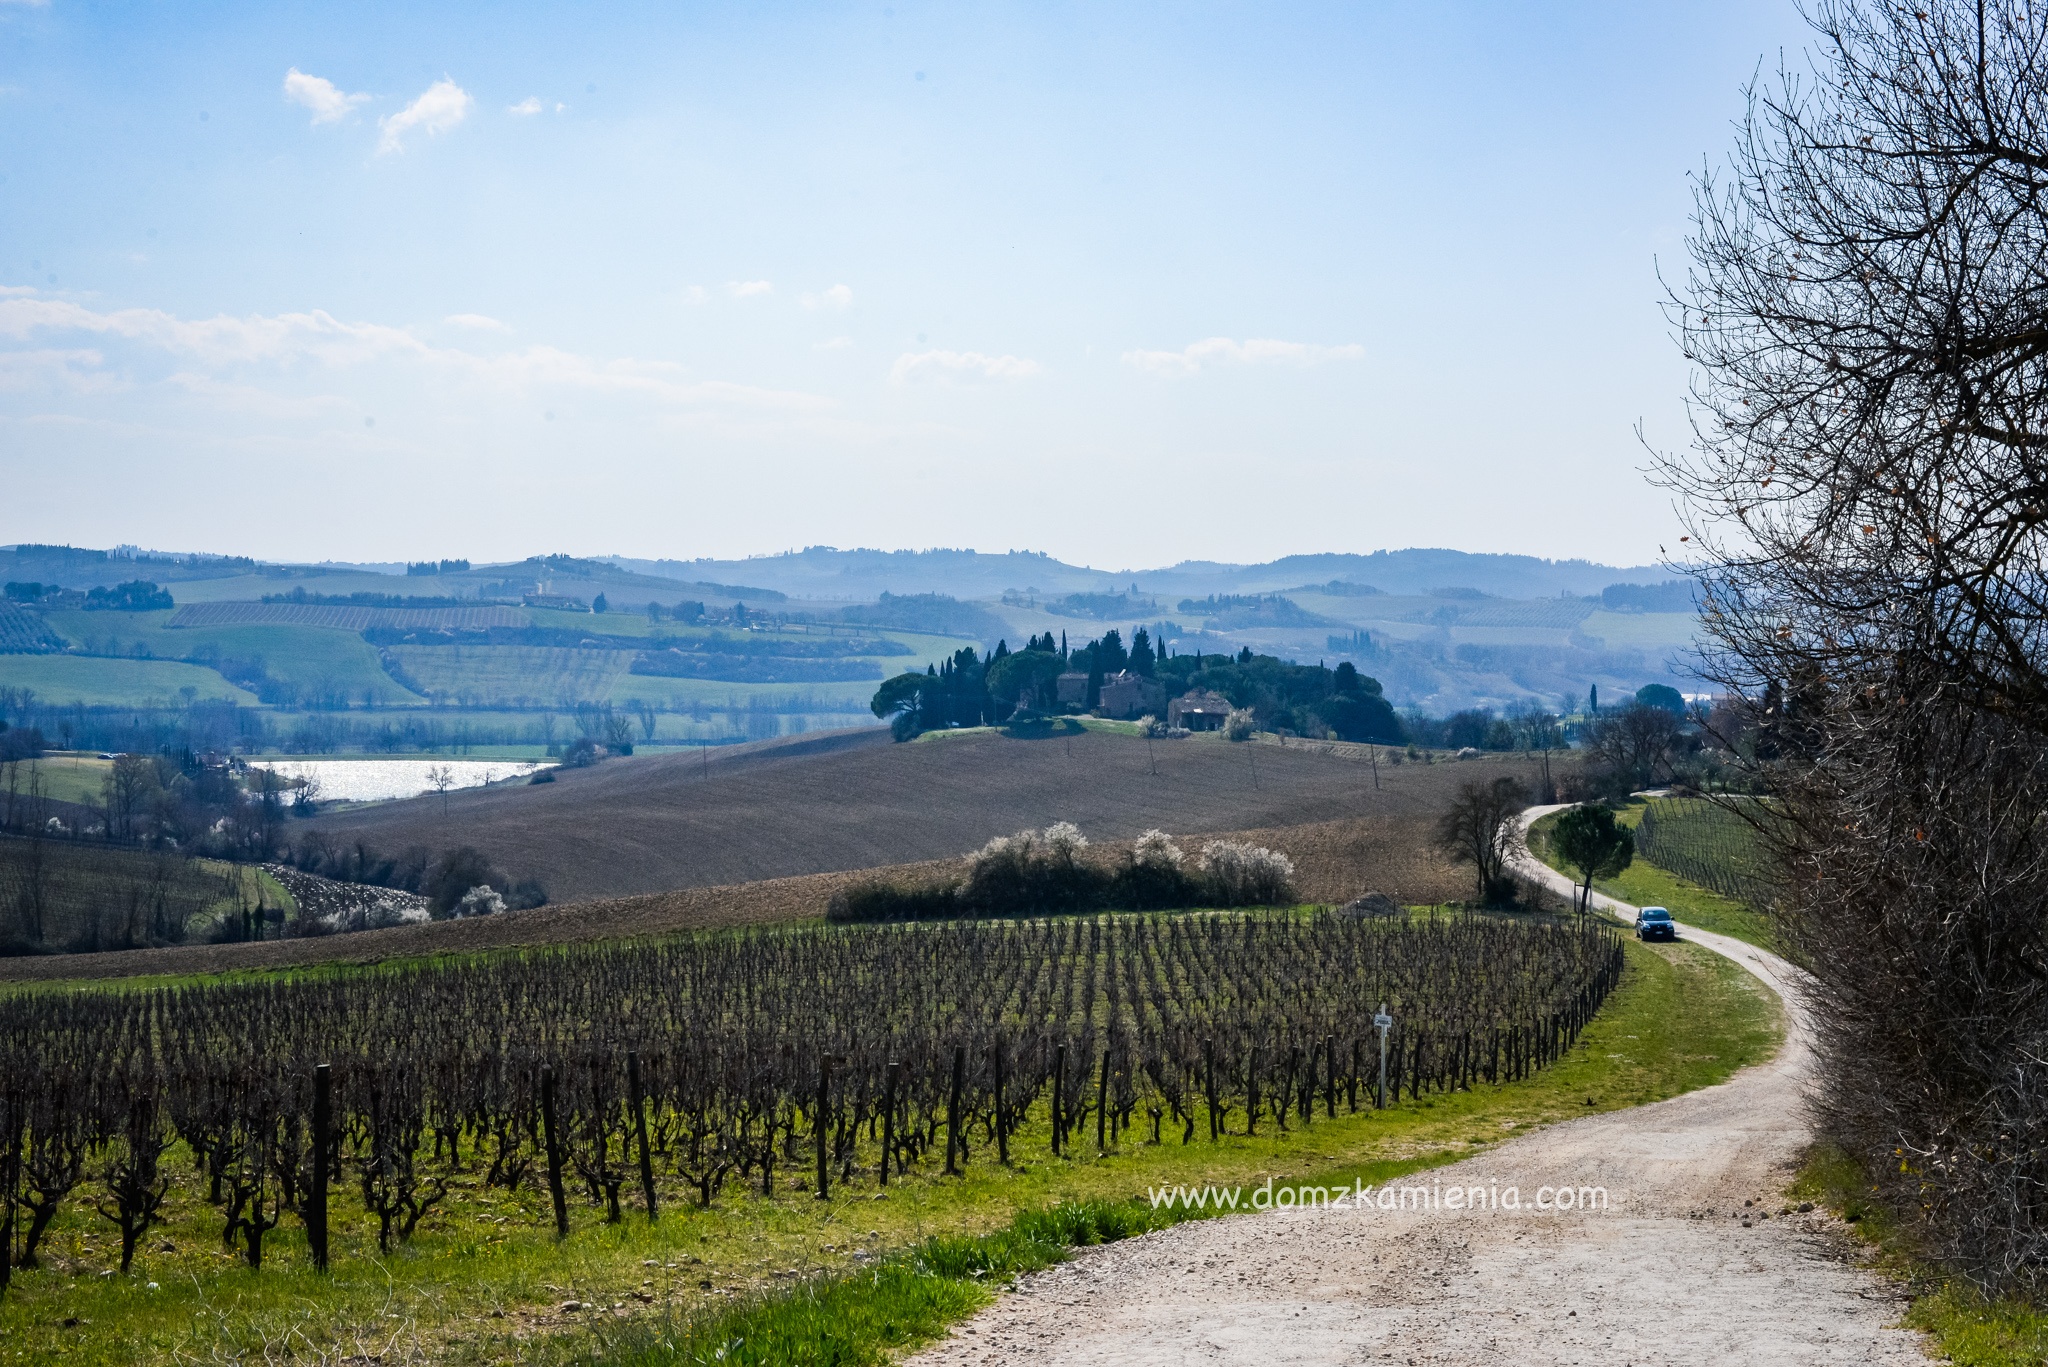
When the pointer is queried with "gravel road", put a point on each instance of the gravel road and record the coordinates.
(1669, 1274)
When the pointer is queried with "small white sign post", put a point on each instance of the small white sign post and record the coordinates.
(1383, 1022)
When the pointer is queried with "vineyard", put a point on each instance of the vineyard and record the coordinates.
(25, 633)
(346, 617)
(637, 1074)
(1705, 843)
(88, 896)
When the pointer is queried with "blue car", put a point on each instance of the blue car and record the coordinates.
(1655, 923)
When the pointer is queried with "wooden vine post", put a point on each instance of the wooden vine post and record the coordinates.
(889, 1075)
(1102, 1105)
(551, 1140)
(1002, 1120)
(322, 1141)
(639, 1101)
(1059, 1088)
(1329, 1077)
(1209, 1086)
(824, 1102)
(956, 1147)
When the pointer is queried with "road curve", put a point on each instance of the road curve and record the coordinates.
(1668, 1275)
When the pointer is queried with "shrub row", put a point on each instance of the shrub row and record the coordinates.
(1040, 873)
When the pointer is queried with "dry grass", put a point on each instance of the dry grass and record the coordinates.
(1345, 837)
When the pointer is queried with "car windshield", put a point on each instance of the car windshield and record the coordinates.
(1656, 914)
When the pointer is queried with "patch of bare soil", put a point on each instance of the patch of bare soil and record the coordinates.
(1680, 1268)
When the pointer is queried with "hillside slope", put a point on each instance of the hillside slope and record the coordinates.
(848, 800)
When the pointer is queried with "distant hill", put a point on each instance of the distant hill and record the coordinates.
(1441, 629)
(822, 572)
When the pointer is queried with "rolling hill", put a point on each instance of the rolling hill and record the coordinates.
(853, 799)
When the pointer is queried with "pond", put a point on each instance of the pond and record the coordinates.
(377, 780)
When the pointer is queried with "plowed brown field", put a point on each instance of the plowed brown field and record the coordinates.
(850, 800)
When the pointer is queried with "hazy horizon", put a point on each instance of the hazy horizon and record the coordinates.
(1195, 283)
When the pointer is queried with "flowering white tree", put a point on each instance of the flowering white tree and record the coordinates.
(1242, 874)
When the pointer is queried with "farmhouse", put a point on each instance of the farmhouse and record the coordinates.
(1126, 695)
(1123, 695)
(1198, 710)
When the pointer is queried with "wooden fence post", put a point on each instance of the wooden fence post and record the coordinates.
(322, 1139)
(554, 1150)
(640, 1129)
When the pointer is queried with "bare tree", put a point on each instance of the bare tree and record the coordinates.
(1868, 317)
(1633, 745)
(1479, 827)
(441, 778)
(1539, 732)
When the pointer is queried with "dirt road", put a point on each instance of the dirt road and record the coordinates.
(1668, 1274)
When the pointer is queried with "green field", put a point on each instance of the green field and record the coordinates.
(1654, 633)
(63, 777)
(319, 661)
(127, 683)
(483, 1281)
(325, 665)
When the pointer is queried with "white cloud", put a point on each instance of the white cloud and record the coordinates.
(838, 297)
(439, 108)
(79, 370)
(227, 345)
(959, 365)
(320, 95)
(694, 295)
(1214, 351)
(741, 289)
(481, 321)
(530, 105)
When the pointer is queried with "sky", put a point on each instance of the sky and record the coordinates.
(1127, 284)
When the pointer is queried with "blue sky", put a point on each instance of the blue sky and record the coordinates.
(1127, 284)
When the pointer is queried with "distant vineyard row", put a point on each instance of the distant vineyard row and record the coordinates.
(345, 618)
(1706, 844)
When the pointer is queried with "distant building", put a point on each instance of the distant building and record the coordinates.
(1072, 688)
(1126, 695)
(1198, 710)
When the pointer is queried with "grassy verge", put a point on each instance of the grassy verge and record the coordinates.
(482, 1281)
(1968, 1329)
(1644, 884)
